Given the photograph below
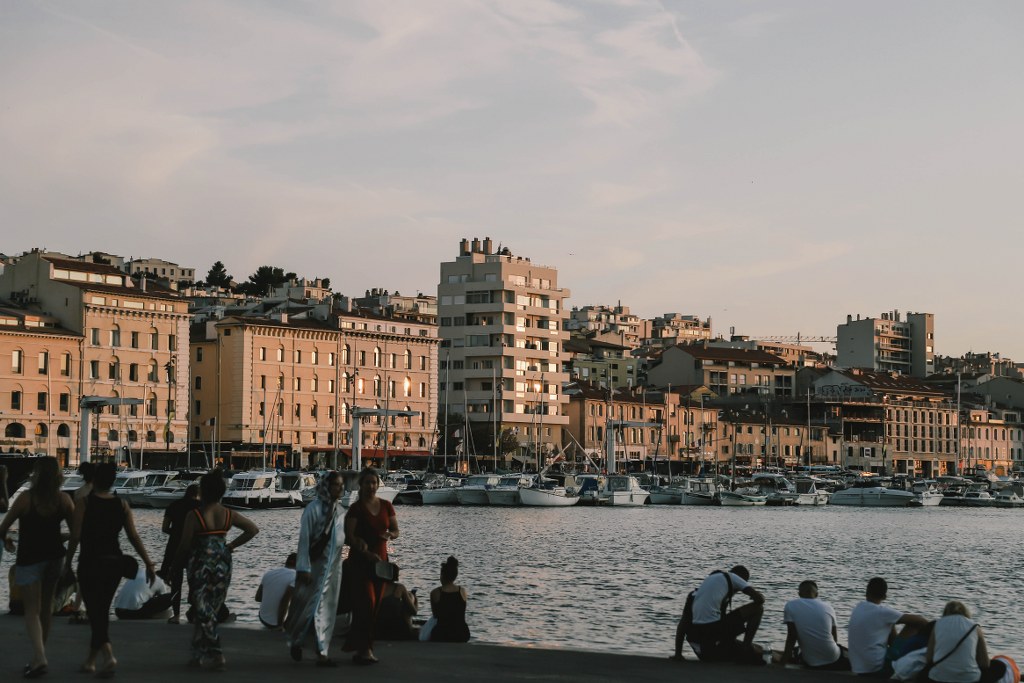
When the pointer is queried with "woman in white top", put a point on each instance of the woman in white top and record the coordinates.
(956, 649)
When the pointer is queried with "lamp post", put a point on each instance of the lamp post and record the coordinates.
(169, 367)
(352, 415)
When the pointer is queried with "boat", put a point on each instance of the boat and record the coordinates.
(1010, 496)
(551, 494)
(128, 481)
(778, 490)
(506, 491)
(743, 497)
(351, 492)
(474, 490)
(613, 489)
(136, 496)
(299, 486)
(872, 494)
(257, 490)
(810, 493)
(925, 494)
(72, 482)
(162, 496)
(699, 491)
(441, 492)
(976, 498)
(666, 495)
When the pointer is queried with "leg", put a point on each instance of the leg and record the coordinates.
(31, 597)
(749, 617)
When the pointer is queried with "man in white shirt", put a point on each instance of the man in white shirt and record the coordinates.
(812, 623)
(872, 628)
(138, 599)
(275, 593)
(713, 628)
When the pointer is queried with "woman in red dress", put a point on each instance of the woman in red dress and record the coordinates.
(369, 524)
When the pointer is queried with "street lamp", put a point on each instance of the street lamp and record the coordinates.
(169, 367)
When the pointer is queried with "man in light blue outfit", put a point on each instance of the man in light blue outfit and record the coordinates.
(318, 571)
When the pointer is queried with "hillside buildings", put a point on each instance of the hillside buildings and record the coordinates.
(502, 328)
(888, 343)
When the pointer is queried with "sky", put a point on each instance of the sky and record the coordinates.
(774, 166)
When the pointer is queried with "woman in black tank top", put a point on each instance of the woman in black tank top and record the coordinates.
(98, 522)
(39, 513)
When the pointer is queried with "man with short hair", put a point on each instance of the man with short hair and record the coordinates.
(275, 593)
(812, 623)
(872, 627)
(713, 628)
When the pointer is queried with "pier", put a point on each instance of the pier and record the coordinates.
(155, 652)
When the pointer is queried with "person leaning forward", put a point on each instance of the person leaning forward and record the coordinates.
(811, 624)
(712, 628)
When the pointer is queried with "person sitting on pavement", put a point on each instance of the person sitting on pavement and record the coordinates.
(275, 593)
(397, 608)
(137, 599)
(811, 623)
(957, 652)
(872, 627)
(713, 628)
(448, 603)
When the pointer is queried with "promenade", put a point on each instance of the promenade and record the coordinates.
(155, 652)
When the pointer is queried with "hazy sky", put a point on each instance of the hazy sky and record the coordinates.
(772, 165)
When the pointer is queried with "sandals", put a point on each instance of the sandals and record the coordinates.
(79, 617)
(34, 672)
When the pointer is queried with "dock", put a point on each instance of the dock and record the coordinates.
(157, 652)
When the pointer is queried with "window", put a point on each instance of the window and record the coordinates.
(135, 340)
(263, 407)
(330, 359)
(199, 354)
(297, 384)
(199, 382)
(151, 408)
(199, 407)
(94, 336)
(280, 355)
(152, 375)
(314, 384)
(423, 389)
(154, 340)
(376, 357)
(362, 358)
(115, 336)
(346, 354)
(44, 362)
(423, 362)
(15, 400)
(172, 341)
(65, 365)
(114, 370)
(94, 369)
(263, 353)
(392, 359)
(298, 356)
(133, 372)
(17, 361)
(314, 357)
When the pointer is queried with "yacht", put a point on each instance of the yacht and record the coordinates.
(129, 481)
(351, 492)
(699, 491)
(72, 482)
(872, 494)
(1010, 496)
(256, 490)
(474, 490)
(809, 491)
(441, 491)
(742, 497)
(666, 495)
(614, 489)
(925, 494)
(778, 490)
(136, 496)
(976, 498)
(551, 494)
(300, 487)
(506, 491)
(162, 496)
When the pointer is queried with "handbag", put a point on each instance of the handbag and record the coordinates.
(923, 676)
(317, 548)
(385, 571)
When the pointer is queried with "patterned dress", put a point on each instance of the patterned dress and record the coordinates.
(209, 575)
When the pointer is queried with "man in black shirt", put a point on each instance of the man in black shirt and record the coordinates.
(174, 523)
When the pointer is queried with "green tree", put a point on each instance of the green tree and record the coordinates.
(264, 279)
(508, 442)
(218, 276)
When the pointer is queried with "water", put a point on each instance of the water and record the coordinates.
(614, 579)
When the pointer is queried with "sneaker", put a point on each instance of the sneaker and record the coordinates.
(174, 620)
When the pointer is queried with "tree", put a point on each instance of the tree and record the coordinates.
(264, 280)
(218, 276)
(326, 282)
(508, 442)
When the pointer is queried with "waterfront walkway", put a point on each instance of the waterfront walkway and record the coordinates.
(155, 652)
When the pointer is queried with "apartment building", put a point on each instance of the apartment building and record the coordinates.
(725, 371)
(159, 268)
(133, 347)
(502, 328)
(285, 387)
(602, 359)
(888, 343)
(670, 329)
(421, 307)
(39, 364)
(614, 320)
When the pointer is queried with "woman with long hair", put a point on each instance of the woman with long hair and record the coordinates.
(369, 524)
(318, 571)
(448, 603)
(99, 518)
(957, 652)
(205, 546)
(40, 558)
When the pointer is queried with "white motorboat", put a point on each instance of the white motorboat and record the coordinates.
(555, 496)
(872, 495)
(351, 492)
(809, 493)
(666, 495)
(925, 494)
(128, 481)
(474, 490)
(300, 486)
(614, 489)
(441, 492)
(778, 490)
(506, 493)
(72, 482)
(162, 496)
(1010, 497)
(699, 491)
(136, 496)
(744, 497)
(256, 490)
(979, 499)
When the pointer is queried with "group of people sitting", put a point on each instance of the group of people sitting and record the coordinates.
(950, 649)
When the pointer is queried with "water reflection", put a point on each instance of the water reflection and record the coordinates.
(614, 579)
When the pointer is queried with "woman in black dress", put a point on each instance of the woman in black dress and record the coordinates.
(448, 603)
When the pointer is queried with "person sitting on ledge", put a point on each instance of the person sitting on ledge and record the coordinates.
(712, 628)
(872, 628)
(448, 603)
(811, 623)
(137, 599)
(398, 606)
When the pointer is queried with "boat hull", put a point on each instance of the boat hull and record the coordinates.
(546, 498)
(872, 498)
(697, 499)
(504, 497)
(471, 496)
(666, 497)
(730, 499)
(442, 496)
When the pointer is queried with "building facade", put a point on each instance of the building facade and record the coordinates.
(134, 346)
(888, 343)
(502, 329)
(725, 371)
(285, 388)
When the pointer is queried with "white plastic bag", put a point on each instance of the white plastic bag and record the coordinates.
(909, 665)
(427, 628)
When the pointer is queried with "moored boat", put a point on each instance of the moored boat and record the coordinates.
(871, 495)
(474, 490)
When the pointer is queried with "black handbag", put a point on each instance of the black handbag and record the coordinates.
(317, 548)
(385, 571)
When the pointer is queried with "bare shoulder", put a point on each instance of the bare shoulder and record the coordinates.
(464, 593)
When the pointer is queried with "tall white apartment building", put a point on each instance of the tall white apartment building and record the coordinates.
(502, 328)
(888, 343)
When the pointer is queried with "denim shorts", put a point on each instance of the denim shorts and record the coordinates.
(26, 575)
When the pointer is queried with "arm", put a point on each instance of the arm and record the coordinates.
(166, 526)
(981, 654)
(930, 656)
(392, 532)
(188, 532)
(77, 518)
(787, 654)
(249, 529)
(754, 594)
(680, 639)
(286, 602)
(19, 508)
(913, 620)
(133, 538)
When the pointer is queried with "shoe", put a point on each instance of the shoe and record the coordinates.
(364, 661)
(35, 672)
(296, 652)
(174, 620)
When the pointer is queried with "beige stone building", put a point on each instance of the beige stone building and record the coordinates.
(724, 371)
(286, 386)
(134, 346)
(503, 347)
(888, 343)
(39, 379)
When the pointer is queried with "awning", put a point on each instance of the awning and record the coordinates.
(372, 452)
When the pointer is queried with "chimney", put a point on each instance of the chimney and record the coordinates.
(464, 247)
(476, 245)
(488, 245)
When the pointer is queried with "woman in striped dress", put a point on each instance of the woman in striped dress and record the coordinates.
(204, 544)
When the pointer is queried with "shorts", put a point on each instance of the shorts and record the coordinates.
(47, 570)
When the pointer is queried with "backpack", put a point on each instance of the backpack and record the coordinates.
(687, 618)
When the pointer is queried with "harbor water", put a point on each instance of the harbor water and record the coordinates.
(614, 579)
